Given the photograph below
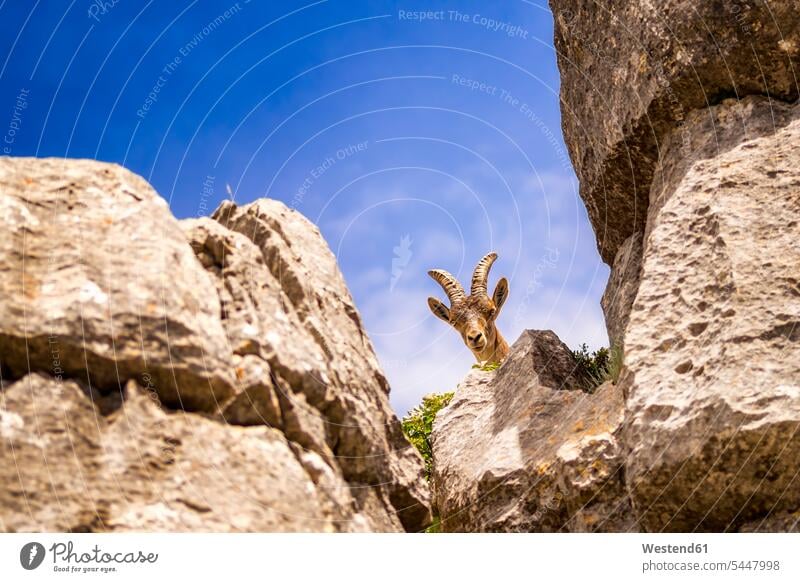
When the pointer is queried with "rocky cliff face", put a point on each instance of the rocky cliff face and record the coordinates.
(682, 122)
(712, 347)
(204, 375)
(632, 71)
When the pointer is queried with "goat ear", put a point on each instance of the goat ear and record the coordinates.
(500, 294)
(439, 309)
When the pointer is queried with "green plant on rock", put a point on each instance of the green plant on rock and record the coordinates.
(435, 526)
(418, 424)
(595, 364)
(487, 367)
(602, 365)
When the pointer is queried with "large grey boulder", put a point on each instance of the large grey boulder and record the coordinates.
(98, 283)
(525, 448)
(712, 347)
(634, 70)
(277, 417)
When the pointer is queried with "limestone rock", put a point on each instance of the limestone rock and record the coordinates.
(98, 283)
(634, 70)
(318, 349)
(623, 283)
(694, 198)
(143, 468)
(259, 319)
(523, 449)
(256, 400)
(193, 474)
(786, 521)
(277, 417)
(49, 442)
(712, 373)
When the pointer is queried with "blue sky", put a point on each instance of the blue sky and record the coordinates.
(412, 143)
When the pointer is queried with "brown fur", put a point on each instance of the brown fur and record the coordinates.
(473, 317)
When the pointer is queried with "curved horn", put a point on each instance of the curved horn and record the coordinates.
(481, 274)
(450, 284)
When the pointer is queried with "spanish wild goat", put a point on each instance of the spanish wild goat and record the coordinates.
(474, 316)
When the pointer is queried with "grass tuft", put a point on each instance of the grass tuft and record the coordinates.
(602, 365)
